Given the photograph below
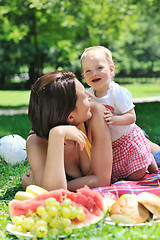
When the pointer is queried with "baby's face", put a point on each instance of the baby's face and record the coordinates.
(96, 69)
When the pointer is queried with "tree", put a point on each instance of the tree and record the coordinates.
(36, 34)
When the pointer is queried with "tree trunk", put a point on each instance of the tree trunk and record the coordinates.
(35, 68)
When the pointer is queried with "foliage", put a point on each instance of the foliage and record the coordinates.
(36, 34)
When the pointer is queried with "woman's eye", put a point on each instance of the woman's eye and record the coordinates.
(87, 71)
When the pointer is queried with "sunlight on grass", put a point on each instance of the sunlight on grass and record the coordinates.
(143, 90)
(14, 98)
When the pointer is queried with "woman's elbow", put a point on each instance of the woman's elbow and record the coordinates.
(103, 182)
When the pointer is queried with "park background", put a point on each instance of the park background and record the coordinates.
(39, 36)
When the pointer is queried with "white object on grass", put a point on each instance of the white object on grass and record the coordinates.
(13, 149)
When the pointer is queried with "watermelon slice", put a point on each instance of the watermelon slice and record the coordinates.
(92, 202)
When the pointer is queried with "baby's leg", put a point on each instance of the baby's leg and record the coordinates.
(138, 175)
(153, 168)
(27, 179)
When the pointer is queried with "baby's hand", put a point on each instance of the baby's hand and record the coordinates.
(109, 117)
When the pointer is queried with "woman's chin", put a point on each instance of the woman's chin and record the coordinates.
(89, 115)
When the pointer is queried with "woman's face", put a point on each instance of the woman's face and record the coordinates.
(82, 111)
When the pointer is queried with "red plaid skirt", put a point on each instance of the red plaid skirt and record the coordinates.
(130, 154)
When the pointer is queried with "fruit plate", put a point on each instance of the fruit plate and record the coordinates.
(28, 234)
(9, 229)
(109, 221)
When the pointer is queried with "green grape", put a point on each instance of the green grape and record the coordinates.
(68, 230)
(50, 201)
(15, 219)
(18, 228)
(80, 214)
(53, 231)
(66, 202)
(40, 223)
(65, 212)
(28, 223)
(65, 222)
(18, 220)
(41, 231)
(52, 211)
(54, 223)
(40, 210)
(73, 212)
(46, 217)
(57, 205)
(36, 218)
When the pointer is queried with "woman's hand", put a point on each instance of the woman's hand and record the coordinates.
(72, 133)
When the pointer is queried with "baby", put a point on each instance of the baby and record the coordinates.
(131, 150)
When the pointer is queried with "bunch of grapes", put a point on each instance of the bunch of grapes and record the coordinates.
(53, 219)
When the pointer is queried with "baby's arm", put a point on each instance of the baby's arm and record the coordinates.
(120, 120)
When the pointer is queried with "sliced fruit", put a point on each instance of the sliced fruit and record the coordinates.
(35, 190)
(21, 195)
(128, 195)
(109, 202)
(87, 205)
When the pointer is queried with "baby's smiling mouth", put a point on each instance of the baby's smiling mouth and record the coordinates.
(96, 80)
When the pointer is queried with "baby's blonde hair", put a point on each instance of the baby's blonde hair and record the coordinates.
(98, 49)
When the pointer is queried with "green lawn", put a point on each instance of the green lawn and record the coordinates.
(10, 99)
(148, 116)
(11, 183)
(20, 98)
(143, 90)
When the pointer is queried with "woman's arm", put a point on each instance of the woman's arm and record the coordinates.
(36, 153)
(47, 158)
(101, 155)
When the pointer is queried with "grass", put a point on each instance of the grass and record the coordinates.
(16, 99)
(143, 90)
(148, 116)
(11, 183)
(10, 179)
(14, 124)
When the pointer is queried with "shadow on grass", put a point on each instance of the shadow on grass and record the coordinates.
(10, 192)
(14, 107)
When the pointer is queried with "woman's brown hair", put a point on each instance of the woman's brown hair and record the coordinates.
(53, 97)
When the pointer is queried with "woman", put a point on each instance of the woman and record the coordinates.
(61, 154)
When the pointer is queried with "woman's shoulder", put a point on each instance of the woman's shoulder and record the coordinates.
(34, 140)
(96, 108)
